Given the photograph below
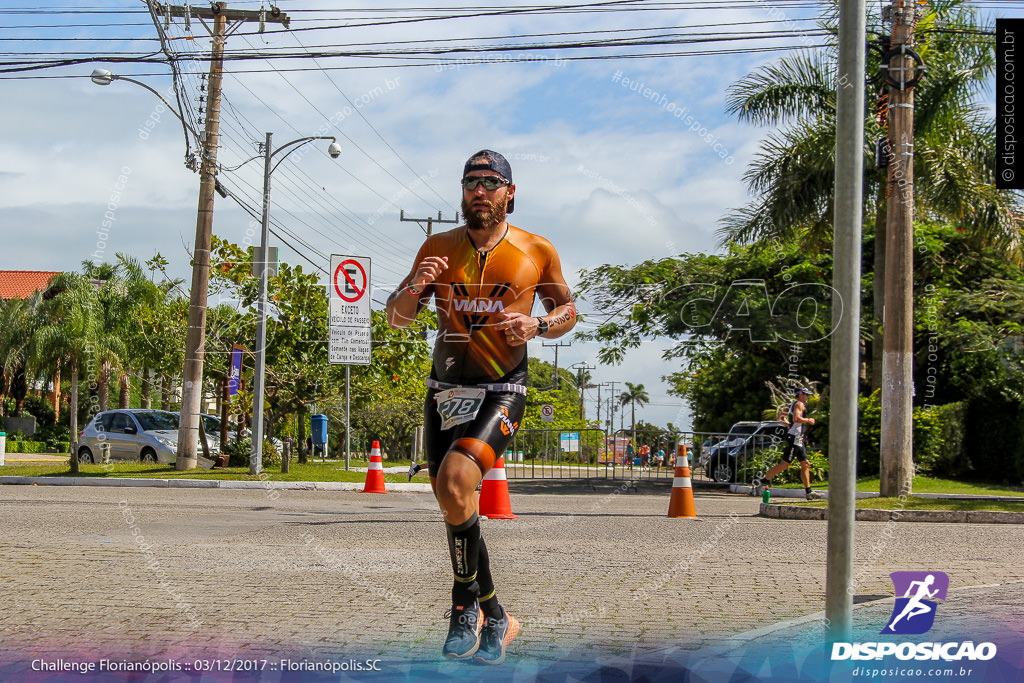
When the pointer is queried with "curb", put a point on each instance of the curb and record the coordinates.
(773, 511)
(794, 493)
(210, 484)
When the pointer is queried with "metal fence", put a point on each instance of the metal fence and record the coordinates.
(594, 453)
(587, 454)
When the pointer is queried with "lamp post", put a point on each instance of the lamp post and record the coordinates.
(105, 77)
(334, 149)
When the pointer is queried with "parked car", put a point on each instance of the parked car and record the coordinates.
(132, 434)
(722, 460)
(140, 434)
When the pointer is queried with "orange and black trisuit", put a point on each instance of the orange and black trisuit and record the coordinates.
(470, 297)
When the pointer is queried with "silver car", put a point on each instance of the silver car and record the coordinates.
(135, 434)
(139, 434)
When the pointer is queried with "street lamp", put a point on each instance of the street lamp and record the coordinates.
(334, 150)
(105, 77)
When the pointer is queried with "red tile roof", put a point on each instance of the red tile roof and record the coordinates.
(18, 284)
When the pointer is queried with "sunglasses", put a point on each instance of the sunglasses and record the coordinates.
(490, 182)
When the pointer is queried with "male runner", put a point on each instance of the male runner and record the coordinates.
(483, 277)
(795, 443)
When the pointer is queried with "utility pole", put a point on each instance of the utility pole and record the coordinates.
(901, 74)
(430, 221)
(195, 339)
(581, 384)
(611, 408)
(556, 346)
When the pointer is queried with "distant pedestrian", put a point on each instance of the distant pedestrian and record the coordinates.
(661, 458)
(795, 445)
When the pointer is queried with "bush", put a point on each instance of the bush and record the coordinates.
(53, 435)
(756, 467)
(25, 446)
(994, 438)
(239, 449)
(938, 434)
(40, 408)
(939, 440)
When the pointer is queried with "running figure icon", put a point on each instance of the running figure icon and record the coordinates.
(918, 591)
(915, 606)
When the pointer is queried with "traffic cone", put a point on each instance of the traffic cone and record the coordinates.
(494, 500)
(375, 472)
(681, 503)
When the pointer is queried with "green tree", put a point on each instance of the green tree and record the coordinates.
(738, 320)
(634, 393)
(18, 324)
(64, 338)
(793, 175)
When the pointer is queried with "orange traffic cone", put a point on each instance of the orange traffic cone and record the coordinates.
(494, 501)
(375, 472)
(681, 503)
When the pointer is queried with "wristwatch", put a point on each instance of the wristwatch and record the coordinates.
(542, 326)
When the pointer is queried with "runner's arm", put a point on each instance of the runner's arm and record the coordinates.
(556, 297)
(412, 295)
(798, 415)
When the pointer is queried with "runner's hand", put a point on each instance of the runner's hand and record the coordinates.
(518, 328)
(428, 270)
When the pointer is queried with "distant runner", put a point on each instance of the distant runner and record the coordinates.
(795, 442)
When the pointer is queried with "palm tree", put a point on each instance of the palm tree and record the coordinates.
(634, 393)
(18, 324)
(65, 337)
(954, 158)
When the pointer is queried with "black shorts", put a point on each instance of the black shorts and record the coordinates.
(792, 449)
(484, 439)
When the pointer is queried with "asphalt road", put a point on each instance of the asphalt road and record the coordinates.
(94, 572)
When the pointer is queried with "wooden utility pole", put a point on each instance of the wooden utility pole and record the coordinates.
(430, 221)
(897, 467)
(556, 346)
(581, 383)
(195, 338)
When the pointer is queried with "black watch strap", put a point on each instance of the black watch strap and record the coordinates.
(542, 326)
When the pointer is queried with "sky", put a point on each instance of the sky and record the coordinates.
(614, 160)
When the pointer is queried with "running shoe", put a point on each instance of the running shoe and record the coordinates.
(463, 631)
(495, 638)
(414, 470)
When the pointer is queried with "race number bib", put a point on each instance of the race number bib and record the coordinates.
(456, 406)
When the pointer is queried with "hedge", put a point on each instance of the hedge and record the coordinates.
(938, 435)
(25, 446)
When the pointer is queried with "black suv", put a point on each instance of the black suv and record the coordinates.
(722, 460)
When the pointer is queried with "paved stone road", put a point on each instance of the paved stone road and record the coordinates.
(149, 572)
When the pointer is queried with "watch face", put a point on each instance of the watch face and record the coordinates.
(542, 325)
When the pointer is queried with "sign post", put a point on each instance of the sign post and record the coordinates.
(348, 322)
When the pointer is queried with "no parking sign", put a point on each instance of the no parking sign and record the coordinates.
(349, 316)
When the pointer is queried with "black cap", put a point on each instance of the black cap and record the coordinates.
(489, 160)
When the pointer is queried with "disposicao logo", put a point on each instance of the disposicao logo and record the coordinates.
(913, 614)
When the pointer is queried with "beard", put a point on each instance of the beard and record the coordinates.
(484, 220)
